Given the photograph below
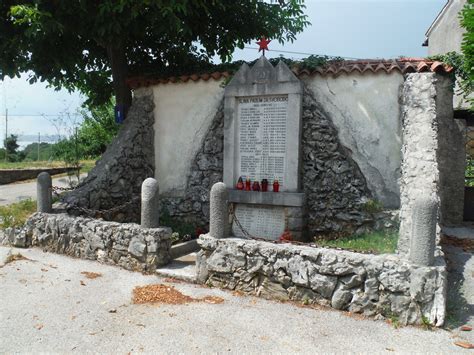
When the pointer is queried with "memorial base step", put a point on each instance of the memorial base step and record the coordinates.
(182, 268)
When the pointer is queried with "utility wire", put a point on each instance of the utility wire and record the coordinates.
(40, 115)
(302, 53)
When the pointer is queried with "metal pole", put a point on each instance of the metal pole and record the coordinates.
(39, 142)
(6, 133)
(77, 156)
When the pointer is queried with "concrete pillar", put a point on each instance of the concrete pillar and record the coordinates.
(219, 214)
(150, 214)
(44, 198)
(423, 235)
(432, 152)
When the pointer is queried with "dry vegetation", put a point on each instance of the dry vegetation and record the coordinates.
(165, 294)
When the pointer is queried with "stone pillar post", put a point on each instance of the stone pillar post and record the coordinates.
(44, 198)
(150, 214)
(431, 158)
(219, 214)
(423, 236)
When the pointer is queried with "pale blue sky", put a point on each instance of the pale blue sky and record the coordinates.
(347, 28)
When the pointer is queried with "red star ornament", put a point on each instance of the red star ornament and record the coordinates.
(263, 44)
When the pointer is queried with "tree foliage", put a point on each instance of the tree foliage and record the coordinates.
(91, 138)
(82, 44)
(467, 46)
(11, 145)
(34, 153)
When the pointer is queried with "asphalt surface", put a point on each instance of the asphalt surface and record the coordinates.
(47, 305)
(460, 266)
(16, 192)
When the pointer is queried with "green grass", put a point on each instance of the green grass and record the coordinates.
(87, 165)
(16, 214)
(31, 164)
(376, 242)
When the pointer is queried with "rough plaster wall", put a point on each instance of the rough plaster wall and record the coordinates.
(183, 115)
(205, 170)
(335, 188)
(117, 177)
(446, 35)
(428, 159)
(333, 184)
(451, 155)
(366, 113)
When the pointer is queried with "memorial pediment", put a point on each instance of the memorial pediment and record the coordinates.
(262, 135)
(263, 72)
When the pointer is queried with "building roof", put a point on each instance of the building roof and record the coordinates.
(401, 65)
(438, 17)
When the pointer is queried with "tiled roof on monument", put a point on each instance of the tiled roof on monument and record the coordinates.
(336, 68)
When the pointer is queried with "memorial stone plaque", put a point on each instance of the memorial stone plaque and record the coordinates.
(262, 137)
(260, 221)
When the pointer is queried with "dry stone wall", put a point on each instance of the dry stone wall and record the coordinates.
(117, 177)
(206, 170)
(123, 244)
(374, 285)
(336, 191)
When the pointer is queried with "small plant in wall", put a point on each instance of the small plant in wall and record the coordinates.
(306, 301)
(426, 324)
(391, 317)
(372, 206)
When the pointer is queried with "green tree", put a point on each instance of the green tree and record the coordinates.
(83, 44)
(31, 152)
(11, 145)
(97, 130)
(467, 46)
(91, 138)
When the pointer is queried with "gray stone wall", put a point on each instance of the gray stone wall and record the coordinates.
(117, 177)
(206, 170)
(374, 285)
(123, 244)
(336, 191)
(432, 152)
(335, 188)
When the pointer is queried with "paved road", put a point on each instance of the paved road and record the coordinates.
(45, 308)
(460, 262)
(12, 193)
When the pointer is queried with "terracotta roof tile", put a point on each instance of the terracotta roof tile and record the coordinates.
(402, 65)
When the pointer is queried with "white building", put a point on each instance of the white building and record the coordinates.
(445, 33)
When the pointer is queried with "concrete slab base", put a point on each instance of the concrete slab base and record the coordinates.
(182, 268)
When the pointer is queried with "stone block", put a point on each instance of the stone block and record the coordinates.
(219, 214)
(150, 209)
(44, 193)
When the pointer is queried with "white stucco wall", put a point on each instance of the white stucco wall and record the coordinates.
(365, 109)
(445, 35)
(183, 114)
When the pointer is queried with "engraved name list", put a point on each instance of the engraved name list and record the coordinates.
(262, 137)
